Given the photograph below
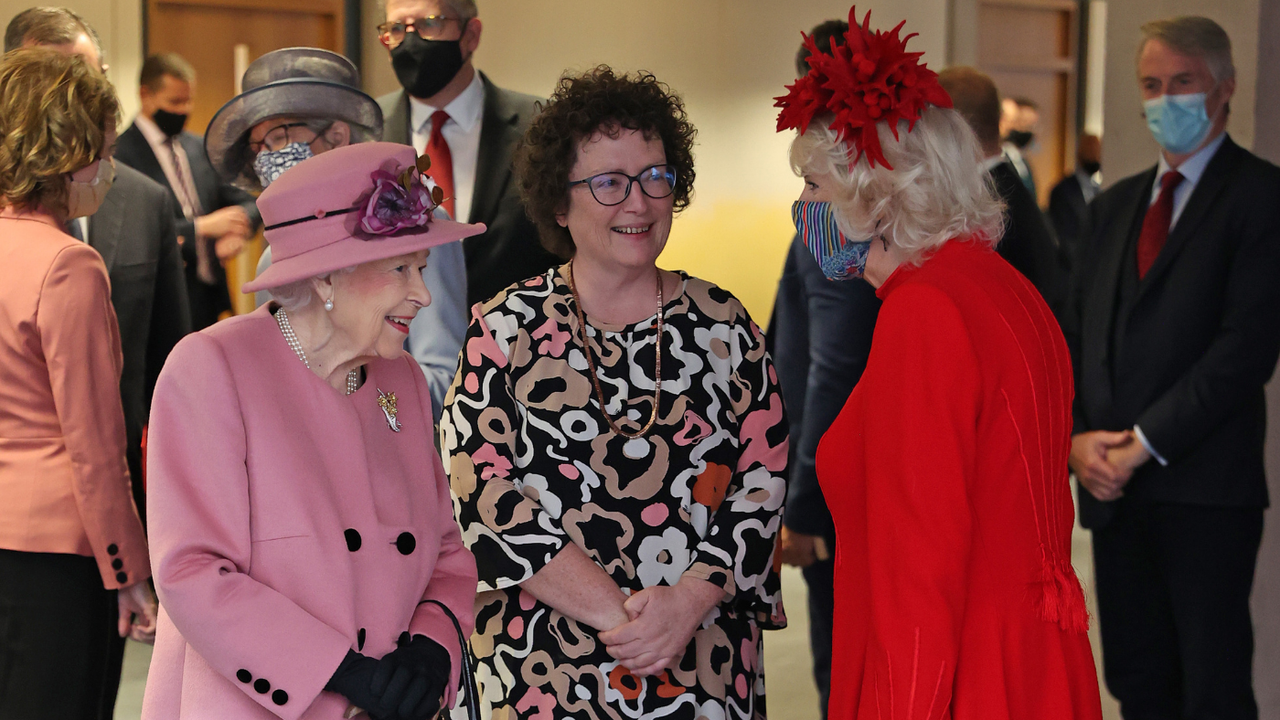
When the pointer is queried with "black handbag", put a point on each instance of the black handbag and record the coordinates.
(467, 683)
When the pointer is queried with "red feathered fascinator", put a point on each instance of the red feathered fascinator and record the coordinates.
(871, 78)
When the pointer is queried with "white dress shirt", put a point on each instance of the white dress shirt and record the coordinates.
(1191, 169)
(179, 177)
(461, 133)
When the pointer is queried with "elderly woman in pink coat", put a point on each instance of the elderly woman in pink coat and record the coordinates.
(301, 519)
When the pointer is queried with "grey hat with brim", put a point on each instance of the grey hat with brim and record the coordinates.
(295, 82)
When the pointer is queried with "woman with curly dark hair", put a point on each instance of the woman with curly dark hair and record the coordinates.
(616, 439)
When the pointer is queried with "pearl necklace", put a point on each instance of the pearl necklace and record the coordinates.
(591, 366)
(282, 319)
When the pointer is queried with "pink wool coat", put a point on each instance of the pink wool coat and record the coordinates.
(289, 524)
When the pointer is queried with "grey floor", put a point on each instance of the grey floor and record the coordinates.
(792, 695)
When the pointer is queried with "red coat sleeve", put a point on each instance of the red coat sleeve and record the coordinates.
(920, 439)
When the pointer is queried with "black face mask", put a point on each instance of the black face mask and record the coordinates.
(169, 123)
(1090, 167)
(1020, 138)
(424, 67)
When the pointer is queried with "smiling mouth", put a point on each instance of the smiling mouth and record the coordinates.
(633, 230)
(399, 323)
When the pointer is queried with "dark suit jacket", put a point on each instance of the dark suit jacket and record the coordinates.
(1028, 243)
(509, 250)
(134, 233)
(821, 336)
(1068, 212)
(207, 301)
(1184, 354)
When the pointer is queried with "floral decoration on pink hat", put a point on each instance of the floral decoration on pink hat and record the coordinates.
(348, 206)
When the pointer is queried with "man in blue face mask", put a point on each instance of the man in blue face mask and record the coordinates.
(1174, 328)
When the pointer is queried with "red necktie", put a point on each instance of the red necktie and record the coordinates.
(442, 161)
(1155, 226)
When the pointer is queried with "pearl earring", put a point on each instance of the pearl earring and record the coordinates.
(328, 304)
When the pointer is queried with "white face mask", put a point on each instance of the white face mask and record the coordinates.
(84, 198)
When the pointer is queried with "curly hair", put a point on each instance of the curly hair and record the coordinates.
(54, 110)
(582, 106)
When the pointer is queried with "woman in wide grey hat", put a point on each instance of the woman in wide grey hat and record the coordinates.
(296, 102)
(300, 102)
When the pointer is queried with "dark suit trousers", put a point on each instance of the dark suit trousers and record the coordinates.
(56, 624)
(1173, 587)
(820, 578)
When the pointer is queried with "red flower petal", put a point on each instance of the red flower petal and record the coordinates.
(871, 78)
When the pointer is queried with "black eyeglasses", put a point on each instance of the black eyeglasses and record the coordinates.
(611, 188)
(278, 137)
(431, 27)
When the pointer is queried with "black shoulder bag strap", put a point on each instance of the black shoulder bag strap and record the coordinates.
(467, 683)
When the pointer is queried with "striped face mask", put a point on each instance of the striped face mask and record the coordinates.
(839, 257)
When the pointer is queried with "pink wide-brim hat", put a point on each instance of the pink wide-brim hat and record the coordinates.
(313, 213)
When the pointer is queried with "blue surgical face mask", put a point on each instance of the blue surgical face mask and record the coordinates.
(1178, 122)
(270, 164)
(839, 257)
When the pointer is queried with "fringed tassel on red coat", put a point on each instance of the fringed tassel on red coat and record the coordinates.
(1060, 598)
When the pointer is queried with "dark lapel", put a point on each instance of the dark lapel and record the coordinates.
(105, 225)
(498, 138)
(1216, 174)
(1100, 311)
(141, 156)
(396, 120)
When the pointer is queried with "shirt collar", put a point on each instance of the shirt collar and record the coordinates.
(990, 163)
(150, 130)
(1193, 167)
(465, 109)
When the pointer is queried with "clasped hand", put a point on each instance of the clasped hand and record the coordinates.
(228, 227)
(662, 621)
(1104, 461)
(407, 683)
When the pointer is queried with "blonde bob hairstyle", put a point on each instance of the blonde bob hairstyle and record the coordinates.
(54, 111)
(936, 190)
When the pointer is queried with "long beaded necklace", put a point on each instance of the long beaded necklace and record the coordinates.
(591, 365)
(282, 319)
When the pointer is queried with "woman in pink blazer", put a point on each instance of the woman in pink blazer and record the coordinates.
(301, 521)
(70, 536)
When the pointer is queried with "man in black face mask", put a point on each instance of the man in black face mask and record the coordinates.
(469, 127)
(214, 218)
(1018, 119)
(1070, 198)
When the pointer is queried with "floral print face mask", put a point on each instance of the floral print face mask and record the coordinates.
(271, 164)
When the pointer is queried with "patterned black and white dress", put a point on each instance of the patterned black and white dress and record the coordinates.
(534, 466)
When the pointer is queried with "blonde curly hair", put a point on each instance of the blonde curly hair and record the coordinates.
(936, 191)
(54, 111)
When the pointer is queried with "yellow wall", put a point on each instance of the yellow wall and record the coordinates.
(728, 59)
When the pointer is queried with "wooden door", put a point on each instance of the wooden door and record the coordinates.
(209, 34)
(1029, 47)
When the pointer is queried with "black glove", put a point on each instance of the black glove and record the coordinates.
(410, 680)
(354, 678)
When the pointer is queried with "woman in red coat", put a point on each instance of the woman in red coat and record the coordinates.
(946, 472)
